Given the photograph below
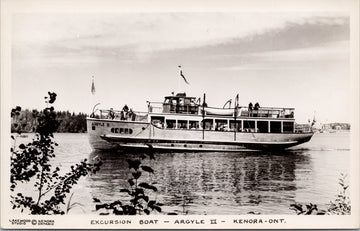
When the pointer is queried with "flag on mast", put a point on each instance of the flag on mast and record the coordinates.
(93, 86)
(181, 74)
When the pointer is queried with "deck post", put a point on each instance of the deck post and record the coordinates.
(235, 115)
(282, 127)
(293, 127)
(268, 126)
(203, 116)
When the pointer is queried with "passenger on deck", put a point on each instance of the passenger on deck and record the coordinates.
(125, 108)
(132, 115)
(250, 108)
(129, 114)
(256, 108)
(122, 115)
(111, 113)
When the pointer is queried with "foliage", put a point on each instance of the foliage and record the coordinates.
(30, 163)
(309, 209)
(140, 202)
(26, 121)
(341, 206)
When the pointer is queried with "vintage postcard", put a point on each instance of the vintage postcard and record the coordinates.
(179, 114)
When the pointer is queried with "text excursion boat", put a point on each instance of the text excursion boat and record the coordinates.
(180, 124)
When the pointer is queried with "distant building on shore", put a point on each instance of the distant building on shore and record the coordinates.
(335, 127)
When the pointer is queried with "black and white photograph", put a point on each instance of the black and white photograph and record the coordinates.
(193, 115)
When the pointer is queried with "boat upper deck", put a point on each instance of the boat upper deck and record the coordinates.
(181, 104)
(241, 111)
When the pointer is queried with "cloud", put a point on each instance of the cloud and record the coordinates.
(292, 59)
(150, 31)
(68, 39)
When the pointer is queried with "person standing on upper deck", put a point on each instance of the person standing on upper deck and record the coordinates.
(256, 108)
(250, 108)
(125, 108)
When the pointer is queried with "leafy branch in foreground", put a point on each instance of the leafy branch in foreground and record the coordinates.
(139, 202)
(31, 163)
(341, 205)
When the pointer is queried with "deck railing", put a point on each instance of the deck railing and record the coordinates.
(267, 112)
(264, 112)
(120, 115)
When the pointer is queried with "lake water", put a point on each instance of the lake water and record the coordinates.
(218, 183)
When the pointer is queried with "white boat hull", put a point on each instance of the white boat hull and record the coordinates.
(146, 136)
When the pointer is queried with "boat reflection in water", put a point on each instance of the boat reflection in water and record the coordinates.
(209, 183)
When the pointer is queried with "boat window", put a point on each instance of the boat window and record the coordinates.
(126, 130)
(208, 124)
(158, 121)
(221, 125)
(170, 123)
(112, 130)
(238, 125)
(121, 130)
(157, 118)
(130, 131)
(263, 126)
(193, 124)
(288, 126)
(116, 130)
(182, 124)
(275, 127)
(249, 125)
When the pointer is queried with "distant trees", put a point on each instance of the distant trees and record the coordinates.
(68, 122)
(71, 122)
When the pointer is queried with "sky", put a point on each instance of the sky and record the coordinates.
(280, 59)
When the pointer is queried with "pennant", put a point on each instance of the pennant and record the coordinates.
(181, 74)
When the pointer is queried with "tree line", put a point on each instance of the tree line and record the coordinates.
(26, 121)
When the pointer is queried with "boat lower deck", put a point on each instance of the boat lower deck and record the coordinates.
(115, 134)
(198, 145)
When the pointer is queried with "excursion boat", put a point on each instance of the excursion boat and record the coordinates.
(181, 123)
